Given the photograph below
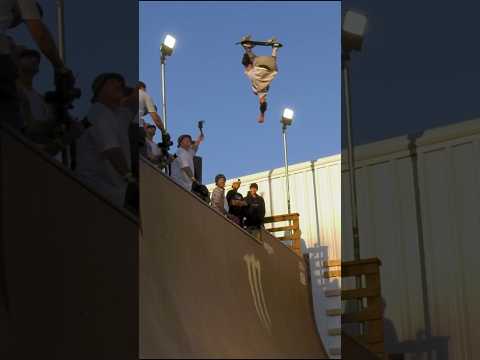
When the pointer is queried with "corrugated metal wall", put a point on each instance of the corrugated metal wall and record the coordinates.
(424, 209)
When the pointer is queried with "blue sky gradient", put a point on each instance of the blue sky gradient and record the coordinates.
(205, 79)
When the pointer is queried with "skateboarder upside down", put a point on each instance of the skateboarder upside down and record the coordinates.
(261, 70)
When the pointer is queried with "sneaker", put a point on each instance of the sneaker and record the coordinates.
(246, 38)
(272, 40)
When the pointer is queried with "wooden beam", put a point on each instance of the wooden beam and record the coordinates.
(276, 218)
(362, 262)
(333, 293)
(359, 269)
(332, 263)
(359, 293)
(332, 274)
(334, 332)
(370, 313)
(282, 228)
(334, 312)
(285, 238)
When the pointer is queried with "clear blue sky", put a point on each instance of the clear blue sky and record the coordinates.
(205, 79)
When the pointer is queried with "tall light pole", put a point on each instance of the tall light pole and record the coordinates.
(353, 31)
(166, 49)
(66, 159)
(61, 29)
(287, 119)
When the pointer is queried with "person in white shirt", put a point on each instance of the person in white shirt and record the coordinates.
(103, 149)
(38, 117)
(182, 167)
(146, 106)
(12, 14)
(34, 109)
(153, 151)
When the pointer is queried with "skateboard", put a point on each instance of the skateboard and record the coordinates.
(259, 43)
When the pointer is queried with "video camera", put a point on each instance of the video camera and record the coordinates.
(62, 98)
(64, 94)
(165, 158)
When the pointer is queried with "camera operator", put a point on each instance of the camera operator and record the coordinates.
(39, 122)
(104, 149)
(182, 167)
(12, 14)
(146, 106)
(153, 150)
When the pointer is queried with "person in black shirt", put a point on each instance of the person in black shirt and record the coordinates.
(255, 213)
(236, 204)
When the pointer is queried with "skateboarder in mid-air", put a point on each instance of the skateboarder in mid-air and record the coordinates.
(261, 70)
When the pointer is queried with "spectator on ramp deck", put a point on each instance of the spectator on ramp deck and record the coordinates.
(146, 107)
(182, 167)
(12, 14)
(104, 148)
(218, 194)
(152, 150)
(236, 204)
(39, 121)
(255, 213)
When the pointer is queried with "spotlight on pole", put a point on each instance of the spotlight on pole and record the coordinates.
(287, 120)
(168, 45)
(287, 117)
(353, 30)
(166, 49)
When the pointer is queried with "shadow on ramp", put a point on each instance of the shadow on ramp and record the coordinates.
(209, 289)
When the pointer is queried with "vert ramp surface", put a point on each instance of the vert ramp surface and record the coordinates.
(209, 289)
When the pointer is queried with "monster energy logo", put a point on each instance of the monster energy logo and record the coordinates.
(255, 280)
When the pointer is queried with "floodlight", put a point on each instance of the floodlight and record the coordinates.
(353, 30)
(168, 45)
(287, 117)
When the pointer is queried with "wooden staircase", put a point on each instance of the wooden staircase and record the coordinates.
(368, 315)
(292, 237)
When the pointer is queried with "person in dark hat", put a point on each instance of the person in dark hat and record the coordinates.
(182, 167)
(236, 204)
(104, 148)
(218, 194)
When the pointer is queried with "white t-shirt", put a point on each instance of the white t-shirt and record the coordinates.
(184, 159)
(28, 10)
(109, 130)
(39, 109)
(153, 151)
(145, 106)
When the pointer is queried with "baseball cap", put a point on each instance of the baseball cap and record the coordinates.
(100, 81)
